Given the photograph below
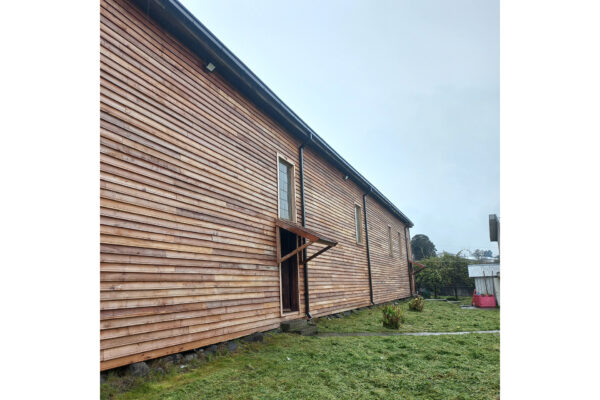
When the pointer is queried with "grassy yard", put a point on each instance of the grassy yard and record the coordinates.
(296, 367)
(463, 300)
(438, 316)
(288, 366)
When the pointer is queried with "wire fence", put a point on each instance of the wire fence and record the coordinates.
(463, 291)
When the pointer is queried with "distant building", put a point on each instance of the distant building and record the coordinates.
(487, 279)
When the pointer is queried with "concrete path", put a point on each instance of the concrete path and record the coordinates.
(335, 334)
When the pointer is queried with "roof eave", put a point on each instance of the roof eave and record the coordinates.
(182, 24)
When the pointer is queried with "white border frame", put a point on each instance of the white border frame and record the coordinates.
(361, 225)
(293, 205)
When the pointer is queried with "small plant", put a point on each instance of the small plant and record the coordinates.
(392, 316)
(416, 304)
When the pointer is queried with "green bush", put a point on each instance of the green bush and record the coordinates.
(416, 304)
(392, 316)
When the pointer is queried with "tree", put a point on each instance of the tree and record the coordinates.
(478, 254)
(422, 247)
(432, 278)
(443, 271)
(458, 271)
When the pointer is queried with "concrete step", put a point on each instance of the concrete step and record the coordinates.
(294, 325)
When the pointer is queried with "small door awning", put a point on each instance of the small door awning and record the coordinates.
(311, 237)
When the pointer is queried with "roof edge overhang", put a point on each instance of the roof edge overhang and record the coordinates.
(172, 16)
(311, 237)
(305, 232)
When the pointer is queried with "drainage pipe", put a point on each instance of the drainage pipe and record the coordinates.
(408, 263)
(306, 293)
(367, 243)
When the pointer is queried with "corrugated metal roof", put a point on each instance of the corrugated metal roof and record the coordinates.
(479, 270)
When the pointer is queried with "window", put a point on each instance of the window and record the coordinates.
(358, 223)
(400, 243)
(390, 239)
(286, 190)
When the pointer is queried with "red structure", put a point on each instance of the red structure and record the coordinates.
(483, 301)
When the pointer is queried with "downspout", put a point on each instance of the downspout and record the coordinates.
(367, 242)
(409, 264)
(306, 293)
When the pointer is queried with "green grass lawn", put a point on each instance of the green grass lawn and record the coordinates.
(463, 300)
(438, 316)
(288, 366)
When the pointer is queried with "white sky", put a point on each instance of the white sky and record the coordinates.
(406, 91)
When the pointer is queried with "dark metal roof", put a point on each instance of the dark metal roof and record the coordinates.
(182, 24)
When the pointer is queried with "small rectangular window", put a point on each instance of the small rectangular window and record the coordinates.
(286, 198)
(390, 239)
(358, 223)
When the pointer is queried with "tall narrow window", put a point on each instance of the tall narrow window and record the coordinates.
(358, 223)
(400, 243)
(286, 198)
(390, 239)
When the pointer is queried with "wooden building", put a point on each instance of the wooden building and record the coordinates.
(220, 209)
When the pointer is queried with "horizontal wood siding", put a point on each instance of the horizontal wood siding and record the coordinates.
(188, 186)
(339, 278)
(188, 198)
(389, 272)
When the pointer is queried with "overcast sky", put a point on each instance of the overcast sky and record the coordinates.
(406, 91)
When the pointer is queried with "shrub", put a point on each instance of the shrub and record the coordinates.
(416, 304)
(392, 316)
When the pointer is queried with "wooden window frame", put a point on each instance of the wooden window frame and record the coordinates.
(358, 234)
(293, 186)
(390, 244)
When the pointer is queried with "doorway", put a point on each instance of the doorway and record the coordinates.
(289, 273)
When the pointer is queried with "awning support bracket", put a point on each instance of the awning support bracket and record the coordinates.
(294, 252)
(310, 237)
(323, 250)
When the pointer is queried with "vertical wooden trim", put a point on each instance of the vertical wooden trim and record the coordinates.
(278, 250)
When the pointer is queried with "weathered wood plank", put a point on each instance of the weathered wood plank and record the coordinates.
(188, 196)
